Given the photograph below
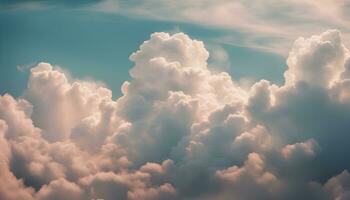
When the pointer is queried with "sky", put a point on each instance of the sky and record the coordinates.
(174, 100)
(90, 44)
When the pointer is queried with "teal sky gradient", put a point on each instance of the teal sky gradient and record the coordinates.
(96, 45)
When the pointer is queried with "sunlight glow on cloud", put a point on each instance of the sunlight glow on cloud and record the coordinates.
(182, 131)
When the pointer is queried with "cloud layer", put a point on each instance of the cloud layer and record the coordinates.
(269, 25)
(181, 131)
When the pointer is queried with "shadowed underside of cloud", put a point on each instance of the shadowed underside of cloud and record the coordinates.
(181, 131)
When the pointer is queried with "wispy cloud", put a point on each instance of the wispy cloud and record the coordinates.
(270, 25)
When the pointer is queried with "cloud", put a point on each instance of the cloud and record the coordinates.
(306, 148)
(324, 53)
(59, 189)
(14, 188)
(42, 4)
(181, 130)
(338, 186)
(56, 96)
(267, 25)
(251, 181)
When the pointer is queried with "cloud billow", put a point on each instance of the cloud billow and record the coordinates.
(182, 131)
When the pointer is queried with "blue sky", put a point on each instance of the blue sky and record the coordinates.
(96, 45)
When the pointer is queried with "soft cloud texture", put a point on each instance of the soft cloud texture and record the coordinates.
(269, 25)
(182, 131)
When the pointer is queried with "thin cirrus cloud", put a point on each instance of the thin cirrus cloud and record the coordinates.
(269, 25)
(182, 131)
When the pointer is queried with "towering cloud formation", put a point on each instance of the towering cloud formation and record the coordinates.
(181, 131)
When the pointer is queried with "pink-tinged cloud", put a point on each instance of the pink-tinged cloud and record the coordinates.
(182, 131)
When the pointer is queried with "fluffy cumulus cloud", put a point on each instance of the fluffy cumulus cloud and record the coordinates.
(182, 131)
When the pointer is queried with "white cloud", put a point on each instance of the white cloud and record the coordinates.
(318, 60)
(182, 131)
(54, 96)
